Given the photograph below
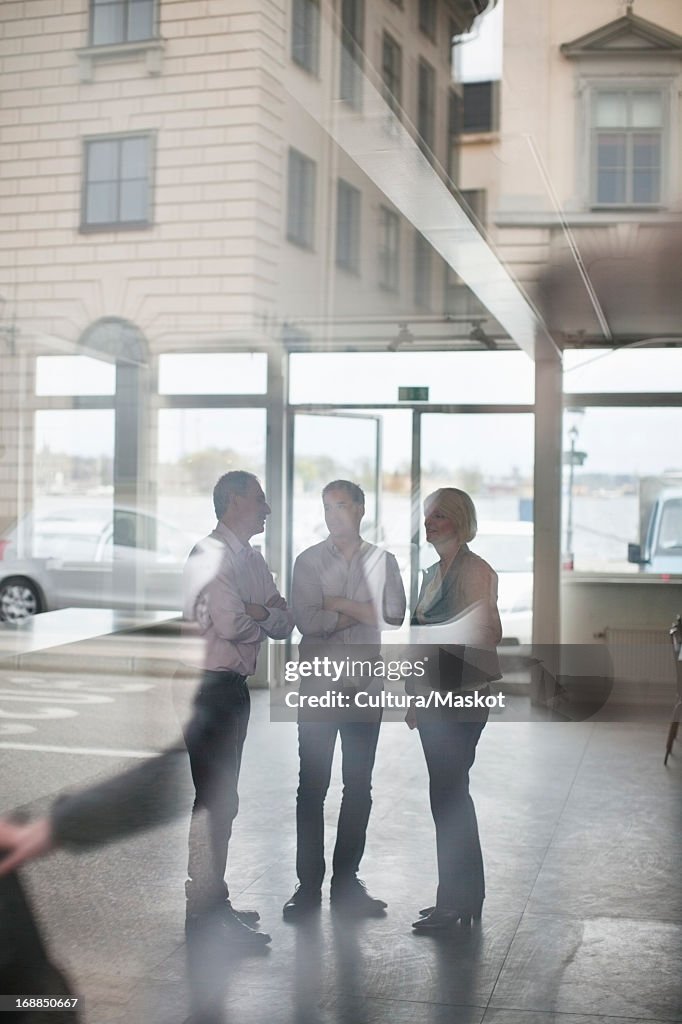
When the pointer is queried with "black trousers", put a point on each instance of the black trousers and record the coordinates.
(316, 742)
(450, 748)
(215, 737)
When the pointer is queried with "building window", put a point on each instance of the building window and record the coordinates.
(301, 200)
(426, 106)
(627, 147)
(427, 17)
(389, 249)
(422, 271)
(481, 107)
(391, 72)
(348, 207)
(305, 35)
(475, 204)
(121, 21)
(117, 185)
(352, 36)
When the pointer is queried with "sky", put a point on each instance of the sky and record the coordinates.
(478, 57)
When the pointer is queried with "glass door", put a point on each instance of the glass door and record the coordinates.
(330, 446)
(490, 456)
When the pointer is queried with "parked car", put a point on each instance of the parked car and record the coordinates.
(508, 547)
(91, 558)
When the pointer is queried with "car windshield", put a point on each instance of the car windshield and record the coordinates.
(505, 552)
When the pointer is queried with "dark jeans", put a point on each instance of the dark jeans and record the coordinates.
(450, 749)
(316, 742)
(215, 737)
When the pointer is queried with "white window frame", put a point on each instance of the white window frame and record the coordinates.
(300, 227)
(305, 51)
(348, 228)
(588, 89)
(423, 267)
(351, 58)
(389, 249)
(126, 5)
(118, 224)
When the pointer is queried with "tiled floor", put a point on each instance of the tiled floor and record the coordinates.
(581, 828)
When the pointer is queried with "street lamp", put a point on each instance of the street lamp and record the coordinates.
(574, 458)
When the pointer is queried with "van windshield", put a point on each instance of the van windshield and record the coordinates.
(670, 536)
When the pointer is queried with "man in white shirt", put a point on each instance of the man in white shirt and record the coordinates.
(230, 592)
(344, 591)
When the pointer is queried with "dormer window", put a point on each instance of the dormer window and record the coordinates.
(628, 78)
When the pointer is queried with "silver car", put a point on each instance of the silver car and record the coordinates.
(94, 558)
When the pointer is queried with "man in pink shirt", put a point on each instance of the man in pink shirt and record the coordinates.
(231, 594)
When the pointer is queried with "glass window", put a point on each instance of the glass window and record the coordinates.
(422, 271)
(213, 373)
(391, 72)
(305, 34)
(480, 103)
(621, 461)
(428, 10)
(371, 377)
(348, 226)
(628, 147)
(73, 491)
(74, 375)
(352, 40)
(117, 182)
(196, 446)
(301, 200)
(389, 249)
(121, 21)
(624, 370)
(426, 105)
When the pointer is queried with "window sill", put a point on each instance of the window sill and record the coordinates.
(304, 246)
(312, 72)
(136, 225)
(149, 49)
(627, 208)
(469, 138)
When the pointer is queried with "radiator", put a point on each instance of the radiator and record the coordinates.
(641, 655)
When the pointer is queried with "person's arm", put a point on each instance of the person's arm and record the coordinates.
(20, 843)
(210, 592)
(145, 796)
(307, 602)
(353, 611)
(279, 620)
(394, 602)
(480, 588)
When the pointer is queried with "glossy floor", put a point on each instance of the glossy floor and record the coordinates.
(581, 827)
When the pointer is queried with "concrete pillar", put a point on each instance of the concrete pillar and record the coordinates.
(547, 500)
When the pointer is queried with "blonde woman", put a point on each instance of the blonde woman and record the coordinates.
(460, 588)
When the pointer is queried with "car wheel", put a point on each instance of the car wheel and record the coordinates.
(19, 599)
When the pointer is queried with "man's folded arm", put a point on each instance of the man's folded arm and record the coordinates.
(307, 602)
